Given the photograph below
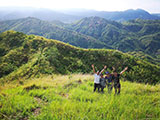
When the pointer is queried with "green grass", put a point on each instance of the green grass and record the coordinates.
(34, 56)
(70, 97)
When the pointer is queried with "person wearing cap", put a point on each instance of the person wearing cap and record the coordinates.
(109, 81)
(116, 79)
(97, 77)
(102, 82)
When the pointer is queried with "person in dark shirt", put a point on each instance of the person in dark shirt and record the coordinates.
(109, 81)
(116, 80)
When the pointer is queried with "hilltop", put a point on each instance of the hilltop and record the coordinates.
(71, 97)
(28, 56)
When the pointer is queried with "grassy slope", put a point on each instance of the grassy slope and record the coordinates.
(145, 57)
(72, 97)
(34, 55)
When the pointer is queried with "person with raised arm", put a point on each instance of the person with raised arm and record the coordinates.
(97, 77)
(116, 79)
(109, 81)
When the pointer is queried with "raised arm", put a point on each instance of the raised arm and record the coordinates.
(103, 69)
(113, 68)
(123, 70)
(93, 69)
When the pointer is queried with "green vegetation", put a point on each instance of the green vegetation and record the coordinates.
(94, 32)
(47, 79)
(71, 97)
(33, 56)
(146, 57)
(51, 30)
(33, 85)
(134, 35)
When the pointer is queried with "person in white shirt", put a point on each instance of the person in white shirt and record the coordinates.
(97, 77)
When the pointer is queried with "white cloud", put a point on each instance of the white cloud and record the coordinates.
(108, 5)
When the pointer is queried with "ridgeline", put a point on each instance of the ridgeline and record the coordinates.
(27, 56)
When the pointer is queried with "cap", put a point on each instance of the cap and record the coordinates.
(107, 72)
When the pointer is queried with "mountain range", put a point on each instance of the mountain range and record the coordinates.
(72, 15)
(95, 32)
(119, 16)
(51, 30)
(10, 13)
(134, 35)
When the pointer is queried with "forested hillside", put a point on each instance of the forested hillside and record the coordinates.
(95, 32)
(134, 35)
(146, 57)
(50, 30)
(26, 56)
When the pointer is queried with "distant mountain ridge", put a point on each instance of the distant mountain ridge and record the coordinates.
(116, 15)
(95, 32)
(50, 30)
(69, 16)
(135, 35)
(40, 13)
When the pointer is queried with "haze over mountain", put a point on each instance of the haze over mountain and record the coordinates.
(115, 15)
(9, 13)
(68, 16)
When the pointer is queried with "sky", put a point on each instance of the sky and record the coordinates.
(152, 6)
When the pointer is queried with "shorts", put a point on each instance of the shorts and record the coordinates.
(97, 85)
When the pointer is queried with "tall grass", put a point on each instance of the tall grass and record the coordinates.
(72, 97)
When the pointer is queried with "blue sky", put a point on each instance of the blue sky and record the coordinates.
(152, 6)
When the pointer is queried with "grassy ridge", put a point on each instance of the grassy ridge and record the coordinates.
(72, 97)
(145, 57)
(35, 55)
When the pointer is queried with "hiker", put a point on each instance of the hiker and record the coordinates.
(97, 78)
(116, 80)
(109, 81)
(102, 82)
